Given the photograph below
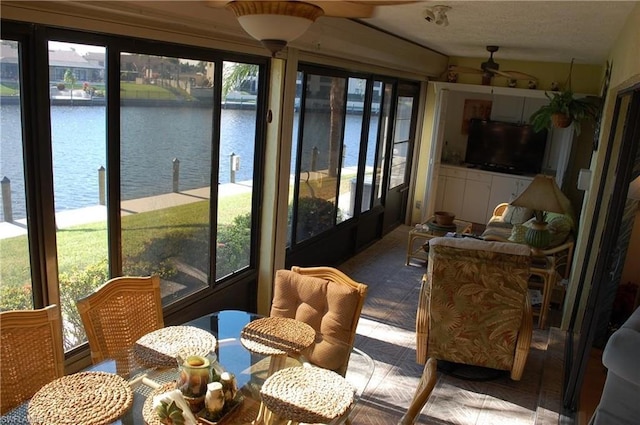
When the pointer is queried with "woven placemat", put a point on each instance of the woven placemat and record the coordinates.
(277, 335)
(161, 347)
(307, 394)
(88, 398)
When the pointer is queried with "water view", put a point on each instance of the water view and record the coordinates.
(77, 182)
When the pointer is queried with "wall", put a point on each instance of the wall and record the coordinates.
(586, 79)
(625, 74)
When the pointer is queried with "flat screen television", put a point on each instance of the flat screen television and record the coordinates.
(505, 147)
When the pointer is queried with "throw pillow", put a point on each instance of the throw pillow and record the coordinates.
(560, 226)
(516, 215)
(517, 233)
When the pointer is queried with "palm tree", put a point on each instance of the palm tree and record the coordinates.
(234, 74)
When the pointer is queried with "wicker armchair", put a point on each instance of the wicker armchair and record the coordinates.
(474, 307)
(118, 313)
(330, 302)
(31, 353)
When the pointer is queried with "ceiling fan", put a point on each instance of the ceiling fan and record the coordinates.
(274, 23)
(491, 68)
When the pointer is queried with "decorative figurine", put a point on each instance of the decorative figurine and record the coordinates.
(554, 86)
(532, 84)
(229, 385)
(215, 398)
(512, 82)
(452, 77)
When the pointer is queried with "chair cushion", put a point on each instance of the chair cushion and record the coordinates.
(328, 307)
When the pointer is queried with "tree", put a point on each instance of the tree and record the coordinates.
(69, 78)
(234, 74)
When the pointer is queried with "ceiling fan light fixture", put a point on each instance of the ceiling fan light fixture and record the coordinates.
(275, 23)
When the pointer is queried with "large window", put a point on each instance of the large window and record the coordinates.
(140, 141)
(78, 141)
(165, 168)
(15, 267)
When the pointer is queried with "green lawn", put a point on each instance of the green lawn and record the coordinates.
(83, 245)
(145, 91)
(9, 90)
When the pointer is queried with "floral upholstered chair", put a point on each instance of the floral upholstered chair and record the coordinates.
(474, 307)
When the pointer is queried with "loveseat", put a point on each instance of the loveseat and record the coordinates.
(509, 224)
(620, 400)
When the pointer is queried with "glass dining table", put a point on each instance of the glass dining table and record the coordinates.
(250, 370)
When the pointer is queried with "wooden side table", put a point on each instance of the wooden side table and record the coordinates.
(543, 268)
(422, 233)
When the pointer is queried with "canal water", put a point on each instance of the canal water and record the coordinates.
(151, 138)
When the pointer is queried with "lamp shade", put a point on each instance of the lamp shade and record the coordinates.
(543, 194)
(275, 23)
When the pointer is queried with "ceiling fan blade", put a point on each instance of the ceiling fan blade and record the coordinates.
(465, 69)
(517, 75)
(500, 73)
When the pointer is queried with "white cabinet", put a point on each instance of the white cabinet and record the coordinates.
(464, 193)
(473, 194)
(505, 189)
(476, 197)
(453, 195)
(451, 182)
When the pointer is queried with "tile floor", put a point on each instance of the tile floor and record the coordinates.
(386, 331)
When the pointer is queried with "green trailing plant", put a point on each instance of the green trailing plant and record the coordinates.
(564, 104)
(564, 109)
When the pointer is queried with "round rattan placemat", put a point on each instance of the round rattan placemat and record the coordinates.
(148, 413)
(161, 347)
(307, 394)
(88, 398)
(277, 335)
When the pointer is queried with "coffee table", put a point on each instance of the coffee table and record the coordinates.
(422, 233)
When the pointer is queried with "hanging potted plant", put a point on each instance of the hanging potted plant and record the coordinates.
(564, 110)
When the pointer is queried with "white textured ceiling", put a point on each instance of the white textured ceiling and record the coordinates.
(546, 31)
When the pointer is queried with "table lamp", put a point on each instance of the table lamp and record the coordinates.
(542, 195)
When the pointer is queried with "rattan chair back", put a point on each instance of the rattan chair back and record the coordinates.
(119, 313)
(332, 312)
(31, 353)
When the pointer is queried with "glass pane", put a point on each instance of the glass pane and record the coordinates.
(166, 114)
(78, 132)
(237, 142)
(369, 171)
(323, 128)
(383, 137)
(401, 141)
(15, 268)
(294, 151)
(351, 148)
